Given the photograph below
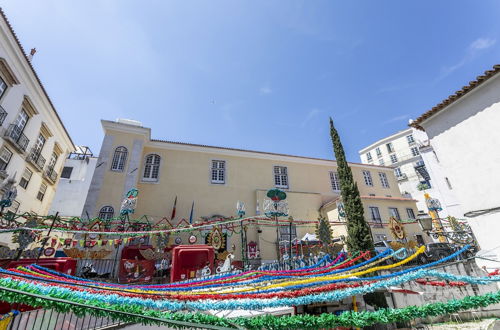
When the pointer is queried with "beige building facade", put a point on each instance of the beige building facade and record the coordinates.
(216, 178)
(33, 139)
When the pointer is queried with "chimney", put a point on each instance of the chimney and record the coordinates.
(32, 53)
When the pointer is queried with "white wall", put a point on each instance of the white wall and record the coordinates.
(71, 193)
(466, 138)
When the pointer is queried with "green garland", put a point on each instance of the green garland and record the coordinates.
(15, 293)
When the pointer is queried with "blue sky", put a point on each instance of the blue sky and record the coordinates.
(261, 75)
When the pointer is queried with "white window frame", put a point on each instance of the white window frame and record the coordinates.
(216, 171)
(396, 214)
(279, 176)
(119, 159)
(410, 213)
(3, 87)
(153, 166)
(373, 219)
(367, 176)
(381, 162)
(414, 151)
(5, 156)
(106, 209)
(398, 172)
(26, 176)
(410, 139)
(394, 158)
(378, 152)
(383, 179)
(42, 191)
(335, 181)
(390, 147)
(369, 156)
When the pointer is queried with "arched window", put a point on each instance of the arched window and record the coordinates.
(106, 212)
(119, 158)
(151, 168)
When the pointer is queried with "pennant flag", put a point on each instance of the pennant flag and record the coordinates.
(191, 215)
(173, 209)
(99, 243)
(110, 242)
(82, 242)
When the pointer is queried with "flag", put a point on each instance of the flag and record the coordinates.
(173, 209)
(191, 215)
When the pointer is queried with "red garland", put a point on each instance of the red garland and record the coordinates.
(440, 283)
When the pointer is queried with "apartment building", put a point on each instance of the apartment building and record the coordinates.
(209, 181)
(416, 167)
(33, 139)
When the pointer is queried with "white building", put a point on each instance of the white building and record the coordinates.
(464, 132)
(74, 183)
(33, 139)
(417, 169)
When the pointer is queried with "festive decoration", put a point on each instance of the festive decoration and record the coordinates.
(129, 202)
(216, 239)
(396, 228)
(252, 250)
(132, 271)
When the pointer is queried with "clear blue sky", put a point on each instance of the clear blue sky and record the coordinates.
(262, 75)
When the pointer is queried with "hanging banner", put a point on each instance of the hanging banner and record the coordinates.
(134, 271)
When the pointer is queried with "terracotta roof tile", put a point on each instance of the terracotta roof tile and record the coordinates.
(458, 94)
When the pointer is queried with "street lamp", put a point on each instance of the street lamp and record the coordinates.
(276, 207)
(425, 222)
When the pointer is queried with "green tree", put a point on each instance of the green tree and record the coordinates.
(359, 236)
(324, 232)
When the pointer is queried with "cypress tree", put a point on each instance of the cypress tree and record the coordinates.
(324, 232)
(359, 236)
(358, 232)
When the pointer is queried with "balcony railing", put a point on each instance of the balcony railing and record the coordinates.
(36, 159)
(15, 135)
(50, 174)
(3, 114)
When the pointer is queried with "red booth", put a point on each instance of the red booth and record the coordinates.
(187, 259)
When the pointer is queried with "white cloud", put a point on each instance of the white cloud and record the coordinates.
(475, 47)
(397, 118)
(482, 43)
(265, 90)
(310, 115)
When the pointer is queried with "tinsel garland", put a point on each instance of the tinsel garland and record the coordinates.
(347, 319)
(248, 304)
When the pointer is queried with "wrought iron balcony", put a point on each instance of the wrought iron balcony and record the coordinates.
(50, 174)
(15, 135)
(36, 159)
(3, 114)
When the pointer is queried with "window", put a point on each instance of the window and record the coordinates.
(410, 213)
(393, 212)
(414, 151)
(41, 192)
(420, 239)
(369, 156)
(448, 183)
(106, 213)
(14, 207)
(53, 161)
(281, 177)
(410, 139)
(383, 180)
(218, 171)
(379, 153)
(119, 159)
(5, 156)
(381, 162)
(368, 178)
(397, 172)
(379, 238)
(25, 179)
(3, 87)
(390, 148)
(375, 215)
(20, 123)
(334, 180)
(285, 233)
(66, 172)
(40, 142)
(152, 168)
(394, 158)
